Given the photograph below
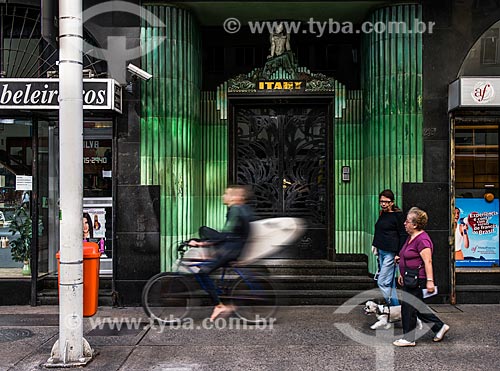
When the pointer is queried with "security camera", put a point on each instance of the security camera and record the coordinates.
(139, 72)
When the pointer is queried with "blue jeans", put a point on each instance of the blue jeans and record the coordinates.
(386, 279)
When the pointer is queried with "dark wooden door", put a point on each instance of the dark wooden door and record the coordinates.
(281, 151)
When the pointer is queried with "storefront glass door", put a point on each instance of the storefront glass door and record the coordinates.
(15, 159)
(24, 184)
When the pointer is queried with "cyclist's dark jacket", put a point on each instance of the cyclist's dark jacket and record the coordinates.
(237, 227)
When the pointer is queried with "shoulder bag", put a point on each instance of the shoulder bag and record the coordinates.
(410, 279)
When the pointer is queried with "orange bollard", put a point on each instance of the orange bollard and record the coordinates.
(91, 261)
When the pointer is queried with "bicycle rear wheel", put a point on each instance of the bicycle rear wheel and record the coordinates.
(254, 299)
(166, 298)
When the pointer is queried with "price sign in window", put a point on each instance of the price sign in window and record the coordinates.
(97, 166)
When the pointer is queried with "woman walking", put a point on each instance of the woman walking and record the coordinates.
(389, 237)
(416, 255)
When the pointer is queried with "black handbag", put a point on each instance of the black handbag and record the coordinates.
(410, 279)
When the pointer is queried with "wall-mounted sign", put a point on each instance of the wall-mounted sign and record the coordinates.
(476, 92)
(476, 232)
(281, 86)
(43, 94)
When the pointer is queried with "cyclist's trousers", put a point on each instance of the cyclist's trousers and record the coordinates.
(224, 255)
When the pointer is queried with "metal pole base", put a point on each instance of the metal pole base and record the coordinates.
(60, 361)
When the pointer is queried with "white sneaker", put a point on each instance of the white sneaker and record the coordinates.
(440, 334)
(404, 343)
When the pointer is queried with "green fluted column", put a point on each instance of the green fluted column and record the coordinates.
(215, 154)
(170, 123)
(349, 235)
(392, 85)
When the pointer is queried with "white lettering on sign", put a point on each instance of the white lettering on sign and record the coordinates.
(27, 95)
(43, 94)
(90, 144)
(93, 97)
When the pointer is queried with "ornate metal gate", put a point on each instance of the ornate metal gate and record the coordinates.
(281, 151)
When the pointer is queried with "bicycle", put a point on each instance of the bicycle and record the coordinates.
(168, 297)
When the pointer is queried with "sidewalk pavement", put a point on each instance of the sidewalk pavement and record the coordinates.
(302, 338)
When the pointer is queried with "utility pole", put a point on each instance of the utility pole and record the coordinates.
(71, 349)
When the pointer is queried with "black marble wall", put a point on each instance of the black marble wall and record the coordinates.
(136, 255)
(15, 291)
(137, 240)
(433, 199)
(137, 208)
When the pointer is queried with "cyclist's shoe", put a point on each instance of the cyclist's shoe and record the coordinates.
(220, 310)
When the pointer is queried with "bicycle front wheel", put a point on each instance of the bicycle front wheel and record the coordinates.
(254, 299)
(166, 298)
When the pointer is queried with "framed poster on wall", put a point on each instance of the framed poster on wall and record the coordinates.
(476, 232)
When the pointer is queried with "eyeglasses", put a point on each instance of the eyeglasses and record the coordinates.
(408, 221)
(385, 201)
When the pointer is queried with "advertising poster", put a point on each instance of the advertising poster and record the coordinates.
(94, 222)
(476, 232)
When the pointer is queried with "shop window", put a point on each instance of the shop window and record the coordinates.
(476, 203)
(476, 157)
(97, 188)
(16, 156)
(97, 159)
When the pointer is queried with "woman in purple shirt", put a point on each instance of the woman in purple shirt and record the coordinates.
(417, 254)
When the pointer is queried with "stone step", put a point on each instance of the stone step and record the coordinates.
(478, 277)
(312, 267)
(295, 297)
(315, 297)
(314, 282)
(478, 294)
(51, 282)
(311, 283)
(296, 282)
(51, 297)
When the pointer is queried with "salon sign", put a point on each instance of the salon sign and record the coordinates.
(43, 94)
(476, 92)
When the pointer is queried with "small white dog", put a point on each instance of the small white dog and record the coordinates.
(385, 315)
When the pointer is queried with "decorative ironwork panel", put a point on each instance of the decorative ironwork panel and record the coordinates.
(304, 141)
(281, 152)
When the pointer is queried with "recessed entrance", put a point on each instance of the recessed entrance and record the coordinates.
(281, 150)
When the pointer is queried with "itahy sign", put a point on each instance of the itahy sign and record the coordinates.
(43, 94)
(478, 92)
(281, 86)
(476, 232)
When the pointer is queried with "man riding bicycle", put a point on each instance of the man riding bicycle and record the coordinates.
(229, 243)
